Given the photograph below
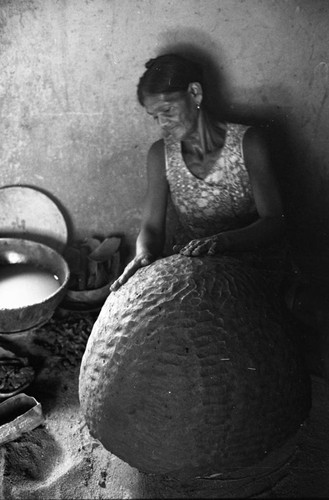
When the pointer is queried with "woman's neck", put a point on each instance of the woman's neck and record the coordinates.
(207, 138)
(203, 147)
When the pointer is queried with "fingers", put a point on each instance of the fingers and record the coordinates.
(177, 248)
(212, 249)
(195, 248)
(115, 286)
(146, 260)
(218, 245)
(131, 268)
(120, 281)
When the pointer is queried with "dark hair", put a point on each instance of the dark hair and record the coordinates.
(168, 73)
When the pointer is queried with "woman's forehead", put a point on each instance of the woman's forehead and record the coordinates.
(154, 101)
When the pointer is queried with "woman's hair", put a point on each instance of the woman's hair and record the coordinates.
(168, 73)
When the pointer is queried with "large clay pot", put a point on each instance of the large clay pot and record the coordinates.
(190, 369)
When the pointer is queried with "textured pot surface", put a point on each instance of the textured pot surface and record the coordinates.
(190, 369)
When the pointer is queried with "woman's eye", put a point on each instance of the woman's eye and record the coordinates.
(167, 111)
(164, 112)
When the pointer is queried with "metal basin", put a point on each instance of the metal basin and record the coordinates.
(21, 251)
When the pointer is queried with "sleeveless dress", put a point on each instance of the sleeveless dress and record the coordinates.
(223, 200)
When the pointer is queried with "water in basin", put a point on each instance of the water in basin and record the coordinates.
(22, 285)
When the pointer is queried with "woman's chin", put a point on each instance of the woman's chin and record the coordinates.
(175, 133)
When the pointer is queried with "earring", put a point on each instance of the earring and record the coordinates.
(198, 107)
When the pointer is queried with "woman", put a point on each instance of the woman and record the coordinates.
(218, 174)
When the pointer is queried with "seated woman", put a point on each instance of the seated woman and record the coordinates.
(218, 174)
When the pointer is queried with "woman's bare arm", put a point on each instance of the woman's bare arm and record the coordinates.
(151, 238)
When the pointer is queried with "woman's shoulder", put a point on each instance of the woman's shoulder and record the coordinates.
(249, 134)
(250, 129)
(157, 147)
(237, 128)
(256, 136)
(156, 156)
(156, 151)
(235, 135)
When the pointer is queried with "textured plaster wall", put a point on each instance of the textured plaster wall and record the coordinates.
(71, 125)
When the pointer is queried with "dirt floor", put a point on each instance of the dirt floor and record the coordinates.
(59, 459)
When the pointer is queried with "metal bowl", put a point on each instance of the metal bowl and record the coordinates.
(14, 251)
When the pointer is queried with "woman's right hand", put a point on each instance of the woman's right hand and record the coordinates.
(139, 261)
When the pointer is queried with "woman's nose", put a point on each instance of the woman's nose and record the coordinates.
(163, 121)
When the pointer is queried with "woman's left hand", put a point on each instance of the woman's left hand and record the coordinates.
(204, 246)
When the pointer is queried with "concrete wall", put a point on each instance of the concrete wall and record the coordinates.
(71, 125)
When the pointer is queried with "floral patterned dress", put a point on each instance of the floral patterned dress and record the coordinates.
(223, 199)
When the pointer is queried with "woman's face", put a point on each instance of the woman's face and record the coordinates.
(175, 113)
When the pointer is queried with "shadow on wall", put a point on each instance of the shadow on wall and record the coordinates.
(215, 84)
(266, 107)
(274, 118)
(306, 203)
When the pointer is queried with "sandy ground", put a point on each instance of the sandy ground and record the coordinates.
(59, 460)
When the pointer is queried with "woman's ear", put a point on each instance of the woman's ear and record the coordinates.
(195, 89)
